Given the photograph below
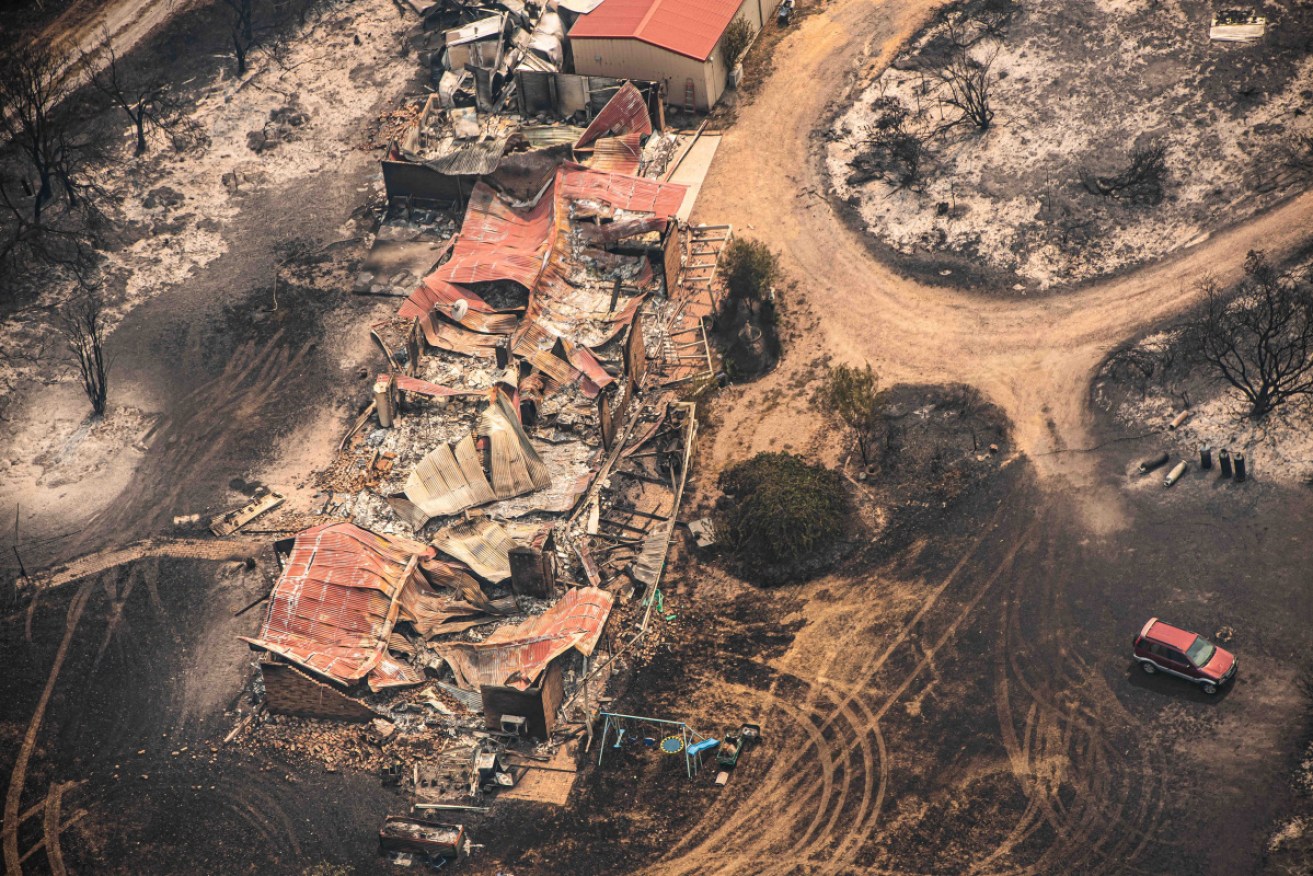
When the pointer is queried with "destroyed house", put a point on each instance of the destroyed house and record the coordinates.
(449, 150)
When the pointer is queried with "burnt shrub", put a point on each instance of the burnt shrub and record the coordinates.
(783, 515)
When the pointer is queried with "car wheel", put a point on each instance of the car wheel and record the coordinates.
(1149, 668)
(1209, 688)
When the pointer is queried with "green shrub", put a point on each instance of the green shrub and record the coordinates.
(783, 510)
(750, 269)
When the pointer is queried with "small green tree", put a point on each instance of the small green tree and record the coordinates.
(750, 269)
(850, 396)
(784, 511)
(737, 38)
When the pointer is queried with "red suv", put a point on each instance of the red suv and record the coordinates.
(1163, 647)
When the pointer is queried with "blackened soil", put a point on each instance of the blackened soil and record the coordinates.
(631, 808)
(149, 689)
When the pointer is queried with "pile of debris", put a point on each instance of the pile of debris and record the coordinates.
(503, 507)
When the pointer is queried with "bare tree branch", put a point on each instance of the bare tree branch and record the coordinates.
(82, 324)
(147, 100)
(1260, 338)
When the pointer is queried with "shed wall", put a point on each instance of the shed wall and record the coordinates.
(632, 59)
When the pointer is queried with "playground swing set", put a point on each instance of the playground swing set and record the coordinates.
(675, 737)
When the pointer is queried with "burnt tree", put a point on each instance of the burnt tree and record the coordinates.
(1140, 183)
(81, 321)
(33, 93)
(241, 29)
(146, 99)
(894, 153)
(967, 80)
(1259, 338)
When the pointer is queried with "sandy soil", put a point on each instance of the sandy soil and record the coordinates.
(204, 225)
(1078, 86)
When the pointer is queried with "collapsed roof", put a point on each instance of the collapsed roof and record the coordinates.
(551, 250)
(335, 608)
(515, 656)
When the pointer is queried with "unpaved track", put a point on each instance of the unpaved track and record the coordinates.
(1088, 800)
(1032, 357)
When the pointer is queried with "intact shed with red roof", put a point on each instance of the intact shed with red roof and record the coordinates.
(678, 42)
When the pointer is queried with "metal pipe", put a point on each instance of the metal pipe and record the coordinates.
(1239, 460)
(1153, 462)
(1175, 474)
(1224, 460)
(383, 401)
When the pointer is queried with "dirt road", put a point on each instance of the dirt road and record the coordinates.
(979, 717)
(1032, 357)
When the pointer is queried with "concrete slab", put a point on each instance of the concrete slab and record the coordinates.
(692, 170)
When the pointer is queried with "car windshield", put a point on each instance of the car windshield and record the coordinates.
(1201, 651)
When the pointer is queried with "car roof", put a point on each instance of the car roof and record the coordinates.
(1173, 637)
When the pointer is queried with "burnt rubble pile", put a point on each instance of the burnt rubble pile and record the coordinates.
(489, 542)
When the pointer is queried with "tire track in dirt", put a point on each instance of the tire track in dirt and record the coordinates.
(784, 792)
(1072, 738)
(203, 427)
(18, 776)
(709, 829)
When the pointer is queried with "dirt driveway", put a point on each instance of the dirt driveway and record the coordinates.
(972, 708)
(1033, 358)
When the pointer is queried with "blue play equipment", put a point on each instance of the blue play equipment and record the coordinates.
(698, 747)
(679, 738)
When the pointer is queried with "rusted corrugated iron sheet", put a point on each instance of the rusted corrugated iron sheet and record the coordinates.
(337, 601)
(517, 655)
(621, 154)
(457, 157)
(498, 242)
(482, 544)
(434, 292)
(423, 387)
(450, 479)
(441, 486)
(446, 336)
(626, 113)
(619, 191)
(516, 467)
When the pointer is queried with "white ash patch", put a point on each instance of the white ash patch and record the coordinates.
(1078, 86)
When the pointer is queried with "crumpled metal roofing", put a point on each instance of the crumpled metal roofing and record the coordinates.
(516, 467)
(424, 387)
(482, 544)
(498, 242)
(534, 247)
(449, 480)
(621, 154)
(625, 113)
(334, 607)
(517, 655)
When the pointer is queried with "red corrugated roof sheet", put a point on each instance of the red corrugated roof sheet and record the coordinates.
(687, 27)
(626, 113)
(517, 655)
(536, 249)
(621, 154)
(335, 605)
